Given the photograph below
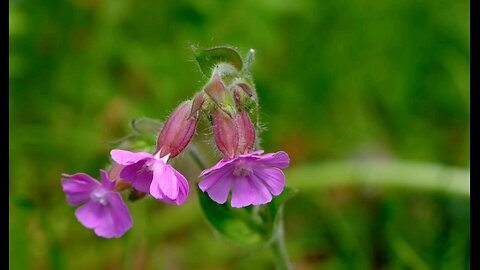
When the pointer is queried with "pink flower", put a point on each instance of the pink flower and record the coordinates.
(253, 178)
(151, 174)
(104, 210)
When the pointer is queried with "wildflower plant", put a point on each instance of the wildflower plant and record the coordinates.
(241, 195)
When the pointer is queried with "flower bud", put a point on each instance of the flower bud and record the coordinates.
(114, 175)
(246, 133)
(216, 90)
(246, 88)
(177, 131)
(240, 97)
(226, 133)
(197, 103)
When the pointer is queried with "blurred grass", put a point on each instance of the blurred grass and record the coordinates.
(337, 80)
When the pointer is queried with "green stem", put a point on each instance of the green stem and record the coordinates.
(278, 242)
(399, 174)
(278, 246)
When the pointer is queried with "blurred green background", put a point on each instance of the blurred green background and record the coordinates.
(338, 82)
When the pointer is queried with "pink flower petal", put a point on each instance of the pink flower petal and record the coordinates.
(220, 190)
(117, 219)
(158, 194)
(138, 175)
(90, 214)
(106, 182)
(164, 180)
(211, 179)
(124, 157)
(78, 187)
(183, 187)
(273, 178)
(279, 159)
(258, 152)
(154, 188)
(263, 195)
(165, 199)
(217, 166)
(243, 193)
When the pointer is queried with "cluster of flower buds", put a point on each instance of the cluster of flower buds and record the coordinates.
(253, 177)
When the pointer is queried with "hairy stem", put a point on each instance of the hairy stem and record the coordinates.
(278, 246)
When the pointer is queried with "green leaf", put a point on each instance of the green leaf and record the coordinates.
(207, 59)
(143, 136)
(235, 224)
(252, 225)
(146, 126)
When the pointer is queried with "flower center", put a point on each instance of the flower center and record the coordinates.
(99, 196)
(147, 167)
(242, 169)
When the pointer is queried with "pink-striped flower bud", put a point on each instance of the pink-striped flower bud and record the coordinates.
(240, 96)
(226, 133)
(246, 88)
(233, 136)
(177, 131)
(246, 133)
(197, 103)
(216, 90)
(242, 91)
